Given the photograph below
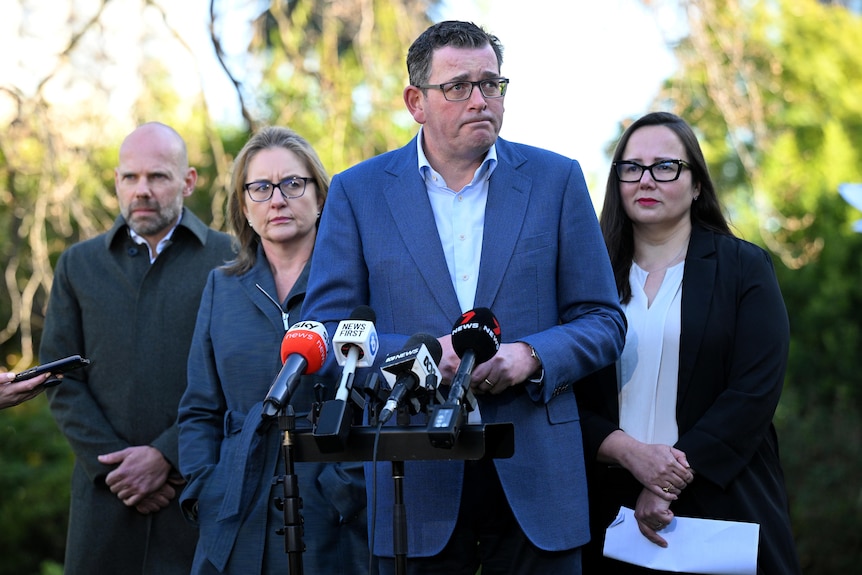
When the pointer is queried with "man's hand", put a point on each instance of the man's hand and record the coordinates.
(141, 470)
(157, 500)
(162, 497)
(511, 365)
(449, 361)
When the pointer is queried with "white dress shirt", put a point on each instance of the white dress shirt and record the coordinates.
(648, 369)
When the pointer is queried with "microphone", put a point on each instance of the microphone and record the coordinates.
(303, 350)
(355, 345)
(414, 366)
(475, 339)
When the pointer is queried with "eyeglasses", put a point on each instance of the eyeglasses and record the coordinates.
(462, 89)
(290, 188)
(663, 171)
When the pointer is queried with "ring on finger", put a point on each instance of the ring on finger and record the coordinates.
(667, 488)
(489, 383)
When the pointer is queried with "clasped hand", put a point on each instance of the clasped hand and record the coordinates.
(653, 514)
(664, 472)
(142, 478)
(662, 469)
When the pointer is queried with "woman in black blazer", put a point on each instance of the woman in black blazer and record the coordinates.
(682, 423)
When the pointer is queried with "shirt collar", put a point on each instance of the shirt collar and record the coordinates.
(483, 171)
(163, 243)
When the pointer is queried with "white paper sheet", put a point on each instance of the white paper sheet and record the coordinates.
(693, 545)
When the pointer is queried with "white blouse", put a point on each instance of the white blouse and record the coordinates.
(648, 368)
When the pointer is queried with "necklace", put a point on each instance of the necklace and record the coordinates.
(670, 261)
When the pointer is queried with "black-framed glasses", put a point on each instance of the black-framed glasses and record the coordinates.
(461, 90)
(662, 171)
(290, 188)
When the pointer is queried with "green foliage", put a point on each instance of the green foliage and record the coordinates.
(823, 300)
(35, 467)
(822, 458)
(335, 72)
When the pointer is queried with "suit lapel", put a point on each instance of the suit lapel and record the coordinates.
(697, 287)
(508, 196)
(408, 202)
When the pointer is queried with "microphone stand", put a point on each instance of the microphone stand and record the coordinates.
(408, 443)
(291, 503)
(399, 518)
(399, 443)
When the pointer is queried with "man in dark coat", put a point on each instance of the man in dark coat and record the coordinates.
(127, 300)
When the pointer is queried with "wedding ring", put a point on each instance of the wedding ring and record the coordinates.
(489, 383)
(665, 489)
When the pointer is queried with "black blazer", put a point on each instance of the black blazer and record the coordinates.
(733, 353)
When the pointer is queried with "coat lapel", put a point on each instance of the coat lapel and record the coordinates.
(508, 196)
(261, 275)
(698, 284)
(408, 202)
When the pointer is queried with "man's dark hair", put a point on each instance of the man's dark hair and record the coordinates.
(449, 33)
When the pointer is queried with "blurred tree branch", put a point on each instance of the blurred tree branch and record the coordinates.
(40, 168)
(735, 79)
(220, 55)
(57, 155)
(728, 67)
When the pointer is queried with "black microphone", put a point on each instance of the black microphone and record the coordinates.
(412, 367)
(303, 350)
(476, 339)
(355, 345)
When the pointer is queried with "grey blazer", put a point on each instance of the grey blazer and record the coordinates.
(134, 321)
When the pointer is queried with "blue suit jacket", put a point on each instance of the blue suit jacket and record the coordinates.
(545, 274)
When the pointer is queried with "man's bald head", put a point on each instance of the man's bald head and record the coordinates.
(152, 178)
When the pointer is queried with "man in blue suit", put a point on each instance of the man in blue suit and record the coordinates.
(459, 219)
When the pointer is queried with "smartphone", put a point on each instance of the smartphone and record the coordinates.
(54, 368)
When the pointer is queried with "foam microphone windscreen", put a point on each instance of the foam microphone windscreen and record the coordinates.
(363, 313)
(477, 330)
(431, 344)
(308, 339)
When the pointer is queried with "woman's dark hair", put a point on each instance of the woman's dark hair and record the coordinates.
(615, 223)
